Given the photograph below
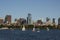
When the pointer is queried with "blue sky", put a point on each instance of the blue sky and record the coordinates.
(38, 8)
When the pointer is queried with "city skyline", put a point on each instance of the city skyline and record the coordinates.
(38, 8)
(28, 20)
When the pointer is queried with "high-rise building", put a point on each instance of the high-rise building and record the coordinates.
(29, 18)
(58, 21)
(53, 21)
(39, 21)
(8, 19)
(47, 19)
(22, 21)
(1, 20)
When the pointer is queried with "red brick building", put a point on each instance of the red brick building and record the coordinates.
(1, 21)
(8, 19)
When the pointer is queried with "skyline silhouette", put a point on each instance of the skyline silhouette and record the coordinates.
(38, 8)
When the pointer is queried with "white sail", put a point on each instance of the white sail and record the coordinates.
(23, 29)
(47, 29)
(33, 29)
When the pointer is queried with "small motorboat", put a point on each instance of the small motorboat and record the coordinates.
(38, 30)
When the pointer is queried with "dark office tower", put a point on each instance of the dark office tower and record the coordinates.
(53, 20)
(47, 19)
(15, 20)
(58, 21)
(39, 21)
(29, 19)
(22, 21)
(8, 19)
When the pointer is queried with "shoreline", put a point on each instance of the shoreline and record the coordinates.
(4, 28)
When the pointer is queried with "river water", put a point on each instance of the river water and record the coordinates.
(17, 34)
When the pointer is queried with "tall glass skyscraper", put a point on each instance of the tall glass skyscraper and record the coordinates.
(58, 21)
(53, 20)
(29, 18)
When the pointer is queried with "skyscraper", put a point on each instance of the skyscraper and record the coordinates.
(29, 18)
(58, 21)
(47, 19)
(53, 20)
(8, 19)
(22, 21)
(39, 21)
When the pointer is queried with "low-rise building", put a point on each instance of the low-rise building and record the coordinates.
(1, 21)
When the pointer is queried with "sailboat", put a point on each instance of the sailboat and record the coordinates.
(47, 29)
(23, 29)
(33, 28)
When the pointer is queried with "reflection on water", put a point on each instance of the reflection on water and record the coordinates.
(29, 35)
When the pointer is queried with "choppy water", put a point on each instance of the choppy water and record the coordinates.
(29, 35)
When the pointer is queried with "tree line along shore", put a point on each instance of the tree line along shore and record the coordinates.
(30, 26)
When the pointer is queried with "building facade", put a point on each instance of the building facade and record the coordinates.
(22, 21)
(58, 21)
(53, 21)
(29, 18)
(47, 19)
(39, 21)
(8, 19)
(1, 21)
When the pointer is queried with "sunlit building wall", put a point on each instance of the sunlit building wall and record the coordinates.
(1, 20)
